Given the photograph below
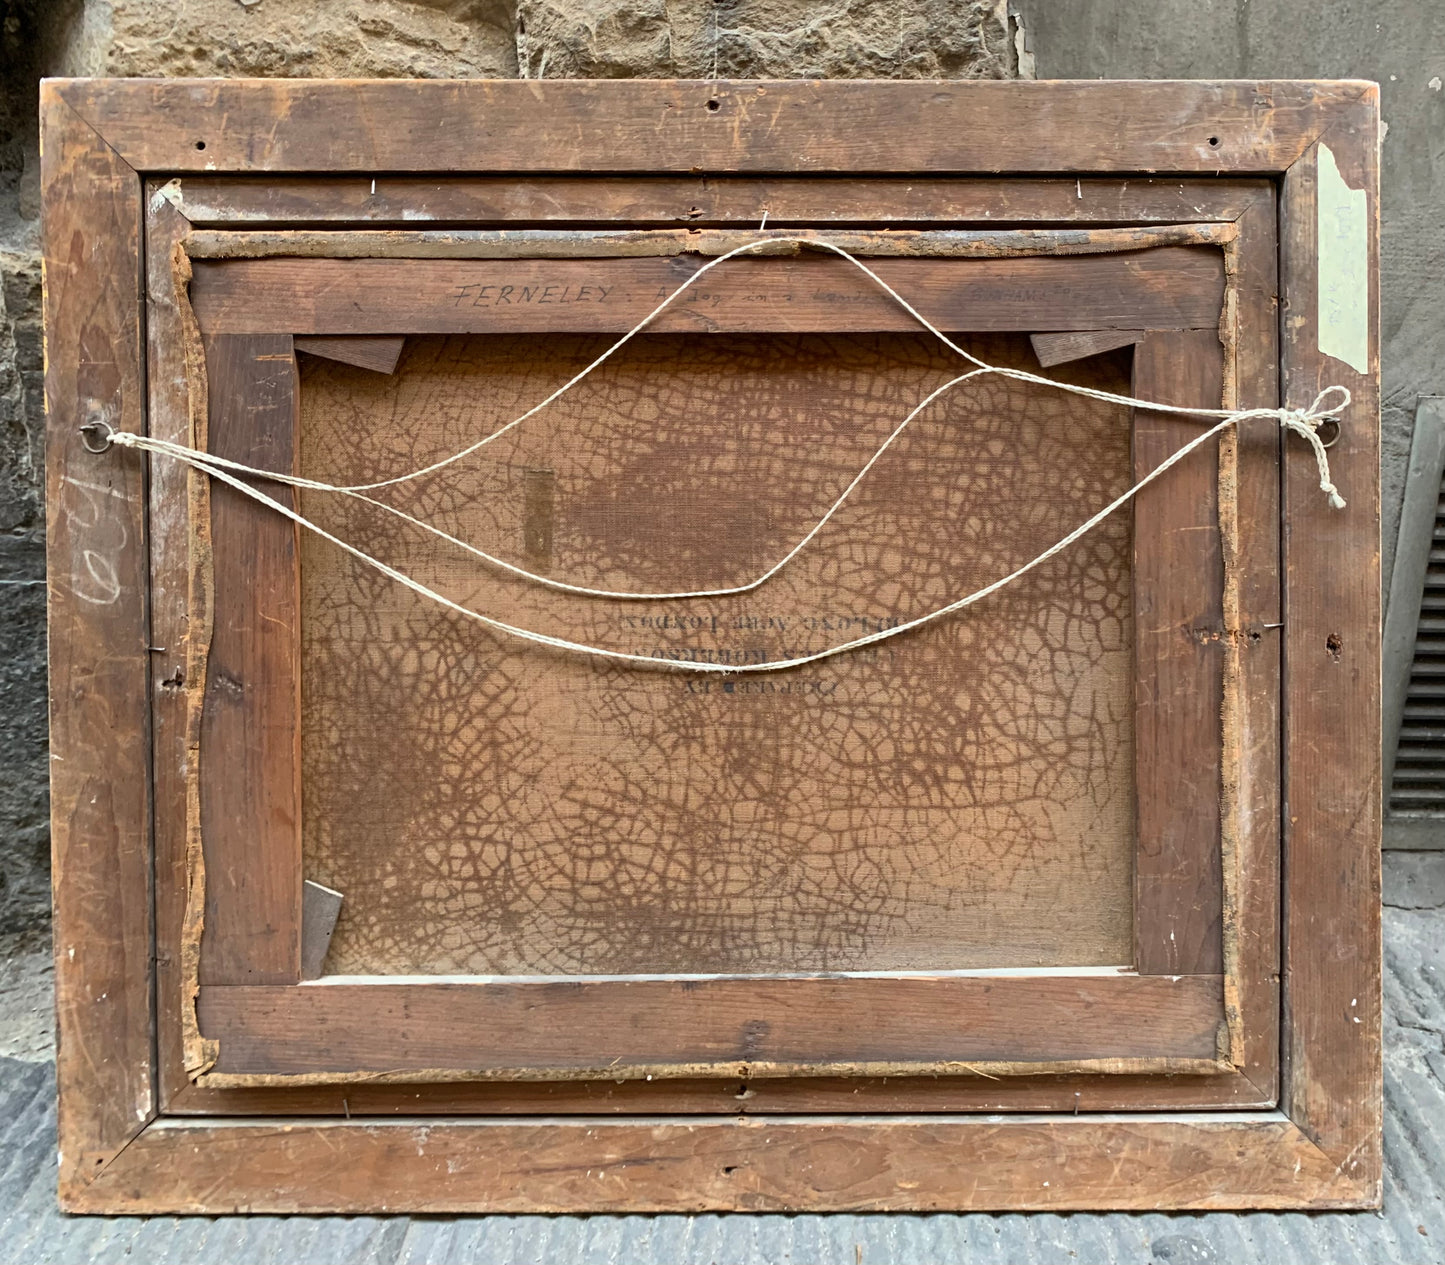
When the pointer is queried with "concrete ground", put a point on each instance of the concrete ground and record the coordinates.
(1410, 1228)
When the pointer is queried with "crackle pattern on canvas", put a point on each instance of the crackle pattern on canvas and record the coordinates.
(961, 796)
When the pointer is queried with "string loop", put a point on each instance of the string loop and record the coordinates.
(1305, 422)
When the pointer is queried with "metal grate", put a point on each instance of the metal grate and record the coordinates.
(1417, 677)
(1419, 781)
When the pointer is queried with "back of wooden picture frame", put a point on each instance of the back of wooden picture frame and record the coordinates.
(189, 614)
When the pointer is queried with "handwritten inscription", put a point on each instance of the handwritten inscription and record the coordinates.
(475, 295)
(558, 293)
(698, 297)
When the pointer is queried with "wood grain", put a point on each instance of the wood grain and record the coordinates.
(1215, 1090)
(1332, 1051)
(168, 417)
(1178, 648)
(1176, 287)
(983, 127)
(99, 672)
(727, 1027)
(638, 243)
(1060, 349)
(839, 1164)
(1031, 1091)
(378, 354)
(346, 200)
(1250, 829)
(1331, 1073)
(250, 724)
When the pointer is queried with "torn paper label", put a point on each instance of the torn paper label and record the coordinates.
(1344, 298)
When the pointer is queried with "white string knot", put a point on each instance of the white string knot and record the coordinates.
(1306, 422)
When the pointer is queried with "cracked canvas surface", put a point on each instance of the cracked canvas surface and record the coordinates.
(961, 796)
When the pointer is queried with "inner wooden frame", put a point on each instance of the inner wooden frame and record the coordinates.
(259, 1024)
(133, 1140)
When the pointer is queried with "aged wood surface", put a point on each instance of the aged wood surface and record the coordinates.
(252, 125)
(541, 1030)
(99, 675)
(644, 243)
(341, 200)
(810, 1095)
(1171, 287)
(836, 1164)
(1250, 810)
(1060, 349)
(1331, 1073)
(1178, 660)
(1332, 1053)
(378, 353)
(250, 719)
(450, 1095)
(168, 417)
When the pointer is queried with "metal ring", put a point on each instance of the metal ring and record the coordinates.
(1328, 431)
(104, 429)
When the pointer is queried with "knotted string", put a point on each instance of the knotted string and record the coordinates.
(1305, 422)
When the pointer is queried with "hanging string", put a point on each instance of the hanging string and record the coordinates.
(1303, 422)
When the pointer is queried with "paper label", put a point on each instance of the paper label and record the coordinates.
(1344, 267)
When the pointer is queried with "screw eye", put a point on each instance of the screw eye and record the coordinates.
(95, 436)
(1328, 431)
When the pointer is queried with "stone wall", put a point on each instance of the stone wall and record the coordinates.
(354, 39)
(596, 39)
(24, 833)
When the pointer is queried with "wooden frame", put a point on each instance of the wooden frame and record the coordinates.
(136, 1136)
(1167, 1015)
